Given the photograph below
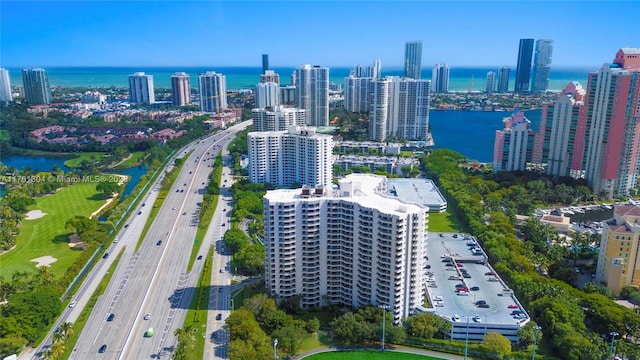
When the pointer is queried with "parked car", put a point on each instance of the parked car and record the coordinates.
(219, 317)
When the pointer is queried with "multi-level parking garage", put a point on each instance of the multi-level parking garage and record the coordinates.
(463, 288)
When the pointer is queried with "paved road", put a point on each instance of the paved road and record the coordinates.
(152, 280)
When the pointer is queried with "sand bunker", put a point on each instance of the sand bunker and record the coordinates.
(34, 214)
(44, 260)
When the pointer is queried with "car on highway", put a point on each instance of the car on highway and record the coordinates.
(139, 212)
(475, 288)
(73, 304)
(110, 317)
(221, 271)
(103, 348)
(219, 317)
(174, 208)
(106, 255)
(147, 316)
(199, 257)
(159, 243)
(126, 226)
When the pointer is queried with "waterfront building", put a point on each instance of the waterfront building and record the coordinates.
(490, 82)
(440, 78)
(296, 156)
(212, 88)
(352, 245)
(610, 125)
(619, 249)
(556, 140)
(267, 95)
(312, 93)
(523, 69)
(399, 109)
(513, 144)
(270, 76)
(503, 79)
(5, 86)
(265, 63)
(357, 93)
(36, 86)
(181, 88)
(141, 90)
(413, 59)
(278, 119)
(542, 65)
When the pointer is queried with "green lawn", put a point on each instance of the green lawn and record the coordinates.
(367, 355)
(444, 222)
(47, 235)
(134, 160)
(89, 156)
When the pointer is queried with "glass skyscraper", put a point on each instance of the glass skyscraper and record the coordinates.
(36, 86)
(412, 59)
(542, 65)
(523, 71)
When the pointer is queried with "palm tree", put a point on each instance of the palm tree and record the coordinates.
(48, 355)
(58, 336)
(67, 329)
(44, 275)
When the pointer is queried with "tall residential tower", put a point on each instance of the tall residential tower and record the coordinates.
(523, 71)
(5, 86)
(212, 88)
(542, 65)
(413, 59)
(440, 78)
(181, 88)
(141, 90)
(503, 79)
(36, 86)
(312, 93)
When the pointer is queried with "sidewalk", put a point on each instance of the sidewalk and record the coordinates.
(400, 349)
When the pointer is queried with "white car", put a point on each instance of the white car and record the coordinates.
(456, 317)
(437, 298)
(73, 304)
(439, 304)
(147, 316)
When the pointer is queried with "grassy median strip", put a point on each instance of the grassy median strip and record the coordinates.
(167, 183)
(196, 318)
(86, 311)
(207, 209)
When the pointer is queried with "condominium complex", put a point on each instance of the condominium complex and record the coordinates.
(312, 93)
(181, 89)
(296, 156)
(503, 79)
(440, 78)
(351, 245)
(490, 82)
(267, 95)
(399, 109)
(357, 93)
(5, 86)
(270, 76)
(277, 119)
(141, 90)
(619, 254)
(413, 59)
(513, 144)
(212, 88)
(557, 140)
(610, 125)
(36, 86)
(523, 69)
(542, 65)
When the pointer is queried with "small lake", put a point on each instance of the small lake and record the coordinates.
(44, 163)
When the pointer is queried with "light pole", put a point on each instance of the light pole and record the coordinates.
(384, 315)
(613, 338)
(535, 340)
(275, 345)
(466, 341)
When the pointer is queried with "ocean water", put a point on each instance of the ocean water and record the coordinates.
(461, 79)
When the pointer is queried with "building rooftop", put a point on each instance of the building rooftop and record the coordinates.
(418, 191)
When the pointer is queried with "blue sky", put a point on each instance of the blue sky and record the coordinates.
(334, 33)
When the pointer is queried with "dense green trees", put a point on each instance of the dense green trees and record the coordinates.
(571, 319)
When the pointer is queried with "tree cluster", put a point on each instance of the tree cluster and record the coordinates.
(574, 323)
(257, 322)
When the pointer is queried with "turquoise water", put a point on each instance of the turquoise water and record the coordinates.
(42, 163)
(247, 77)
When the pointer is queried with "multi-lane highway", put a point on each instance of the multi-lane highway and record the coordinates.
(151, 288)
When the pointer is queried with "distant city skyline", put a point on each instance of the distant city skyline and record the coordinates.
(95, 33)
